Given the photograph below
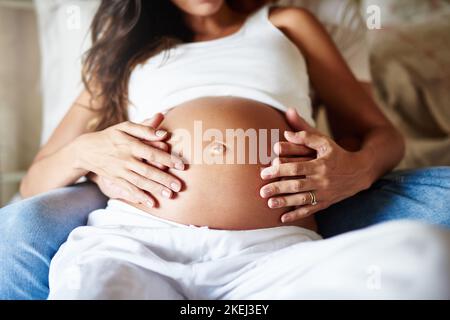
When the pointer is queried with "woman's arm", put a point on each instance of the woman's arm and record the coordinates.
(367, 144)
(55, 165)
(116, 154)
(357, 123)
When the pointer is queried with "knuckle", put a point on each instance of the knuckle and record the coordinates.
(325, 183)
(297, 214)
(147, 185)
(303, 212)
(296, 169)
(322, 168)
(326, 146)
(276, 188)
(151, 155)
(131, 188)
(134, 147)
(161, 177)
(148, 172)
(141, 183)
(134, 180)
(292, 171)
(296, 185)
(299, 200)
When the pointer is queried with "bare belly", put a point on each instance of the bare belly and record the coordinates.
(222, 139)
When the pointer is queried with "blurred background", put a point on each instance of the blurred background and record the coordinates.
(41, 43)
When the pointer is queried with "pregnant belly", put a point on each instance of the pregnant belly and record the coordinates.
(225, 141)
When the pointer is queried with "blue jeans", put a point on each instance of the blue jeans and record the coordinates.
(32, 230)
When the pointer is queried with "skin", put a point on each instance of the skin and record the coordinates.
(337, 171)
(334, 170)
(71, 153)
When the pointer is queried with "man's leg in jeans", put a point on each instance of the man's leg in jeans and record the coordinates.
(32, 230)
(422, 194)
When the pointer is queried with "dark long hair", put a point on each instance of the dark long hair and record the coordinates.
(126, 33)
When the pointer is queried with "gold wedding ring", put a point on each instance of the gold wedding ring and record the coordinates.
(313, 198)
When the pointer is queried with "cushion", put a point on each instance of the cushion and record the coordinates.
(64, 36)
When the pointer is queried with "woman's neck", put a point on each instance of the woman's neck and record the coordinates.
(221, 23)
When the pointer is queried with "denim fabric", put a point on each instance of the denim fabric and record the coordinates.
(421, 194)
(32, 230)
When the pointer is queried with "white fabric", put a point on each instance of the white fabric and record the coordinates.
(125, 253)
(62, 46)
(257, 62)
(64, 37)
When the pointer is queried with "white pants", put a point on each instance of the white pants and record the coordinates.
(124, 253)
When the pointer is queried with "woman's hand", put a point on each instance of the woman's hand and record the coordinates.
(128, 160)
(333, 174)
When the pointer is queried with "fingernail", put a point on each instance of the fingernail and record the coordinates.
(285, 218)
(175, 186)
(166, 193)
(179, 166)
(268, 172)
(266, 192)
(160, 133)
(277, 148)
(289, 134)
(274, 203)
(149, 203)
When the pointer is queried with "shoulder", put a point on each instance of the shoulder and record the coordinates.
(289, 16)
(299, 25)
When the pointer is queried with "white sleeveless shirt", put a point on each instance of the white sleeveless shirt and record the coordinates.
(257, 62)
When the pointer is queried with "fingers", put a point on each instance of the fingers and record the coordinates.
(155, 121)
(141, 131)
(301, 213)
(278, 161)
(286, 187)
(124, 190)
(296, 122)
(292, 152)
(155, 175)
(291, 149)
(157, 144)
(299, 199)
(291, 169)
(154, 155)
(161, 146)
(147, 185)
(318, 142)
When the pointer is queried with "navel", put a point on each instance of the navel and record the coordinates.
(217, 148)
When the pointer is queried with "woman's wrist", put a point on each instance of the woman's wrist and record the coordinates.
(91, 176)
(364, 161)
(78, 149)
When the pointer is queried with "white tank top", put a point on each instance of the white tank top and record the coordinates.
(257, 62)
